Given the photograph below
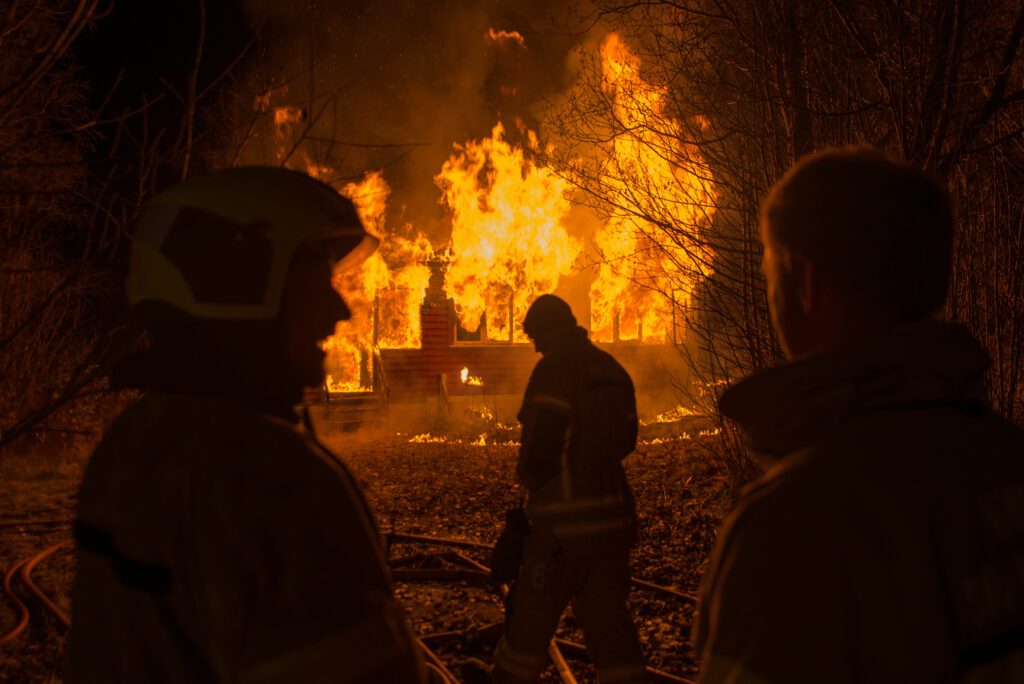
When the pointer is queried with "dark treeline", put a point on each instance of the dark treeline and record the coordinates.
(100, 106)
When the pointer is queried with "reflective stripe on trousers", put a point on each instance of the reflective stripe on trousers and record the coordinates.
(553, 576)
(582, 517)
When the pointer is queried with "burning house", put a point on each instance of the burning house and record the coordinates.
(453, 371)
(432, 312)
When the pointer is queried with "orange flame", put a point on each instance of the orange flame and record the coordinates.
(509, 239)
(384, 293)
(499, 35)
(471, 380)
(647, 275)
(509, 244)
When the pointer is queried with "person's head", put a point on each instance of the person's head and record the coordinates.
(547, 320)
(231, 275)
(855, 242)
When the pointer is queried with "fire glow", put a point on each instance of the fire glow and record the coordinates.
(512, 236)
(471, 380)
(384, 293)
(509, 241)
(638, 289)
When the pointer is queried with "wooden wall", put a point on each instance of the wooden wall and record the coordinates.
(413, 374)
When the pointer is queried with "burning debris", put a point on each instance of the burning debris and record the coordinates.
(672, 416)
(471, 380)
(482, 440)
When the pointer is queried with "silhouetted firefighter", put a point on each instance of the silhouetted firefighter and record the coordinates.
(579, 422)
(218, 542)
(885, 540)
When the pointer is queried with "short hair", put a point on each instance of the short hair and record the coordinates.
(878, 231)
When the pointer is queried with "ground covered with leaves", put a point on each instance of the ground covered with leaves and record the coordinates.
(37, 500)
(462, 490)
(454, 488)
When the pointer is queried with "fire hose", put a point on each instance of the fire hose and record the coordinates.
(557, 659)
(478, 574)
(23, 569)
(468, 544)
(481, 572)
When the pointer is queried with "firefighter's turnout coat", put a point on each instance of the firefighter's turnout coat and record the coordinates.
(221, 544)
(579, 422)
(885, 540)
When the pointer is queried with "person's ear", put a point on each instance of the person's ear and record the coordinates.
(806, 283)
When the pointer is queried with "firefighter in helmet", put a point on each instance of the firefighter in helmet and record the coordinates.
(579, 422)
(218, 541)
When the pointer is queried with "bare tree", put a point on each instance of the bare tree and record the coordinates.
(749, 87)
(72, 180)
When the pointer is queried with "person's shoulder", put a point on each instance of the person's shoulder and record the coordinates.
(603, 363)
(791, 500)
(283, 468)
(551, 371)
(279, 445)
(234, 439)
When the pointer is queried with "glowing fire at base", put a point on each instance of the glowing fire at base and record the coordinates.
(429, 438)
(672, 415)
(471, 380)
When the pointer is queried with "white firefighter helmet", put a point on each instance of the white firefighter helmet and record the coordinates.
(219, 245)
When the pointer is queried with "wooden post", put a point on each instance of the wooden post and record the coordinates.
(376, 319)
(511, 317)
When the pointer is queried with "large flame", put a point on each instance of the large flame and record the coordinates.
(509, 244)
(647, 275)
(509, 241)
(384, 293)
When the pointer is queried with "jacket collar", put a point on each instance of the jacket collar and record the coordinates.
(785, 408)
(569, 342)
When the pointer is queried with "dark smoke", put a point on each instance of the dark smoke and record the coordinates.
(415, 72)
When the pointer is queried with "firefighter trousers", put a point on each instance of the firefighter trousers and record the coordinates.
(551, 577)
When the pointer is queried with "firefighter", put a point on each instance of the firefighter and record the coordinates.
(218, 540)
(578, 423)
(885, 540)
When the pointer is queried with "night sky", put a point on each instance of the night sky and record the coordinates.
(153, 39)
